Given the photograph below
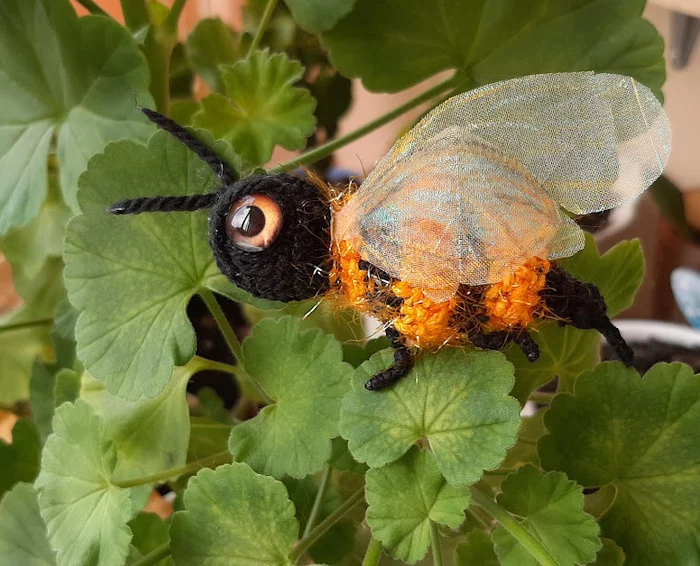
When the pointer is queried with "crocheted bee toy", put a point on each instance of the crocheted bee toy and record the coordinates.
(454, 237)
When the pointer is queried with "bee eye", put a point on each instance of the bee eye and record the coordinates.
(254, 222)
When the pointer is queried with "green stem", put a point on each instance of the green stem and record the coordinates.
(373, 553)
(313, 516)
(266, 17)
(249, 385)
(158, 49)
(326, 149)
(477, 519)
(208, 462)
(173, 17)
(198, 364)
(93, 8)
(541, 397)
(520, 533)
(153, 557)
(317, 532)
(136, 14)
(500, 471)
(29, 324)
(435, 544)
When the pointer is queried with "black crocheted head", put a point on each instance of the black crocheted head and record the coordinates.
(295, 265)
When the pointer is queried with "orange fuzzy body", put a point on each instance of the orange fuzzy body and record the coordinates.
(424, 323)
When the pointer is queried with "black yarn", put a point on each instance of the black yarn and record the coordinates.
(582, 306)
(295, 266)
(188, 203)
(403, 362)
(499, 339)
(205, 153)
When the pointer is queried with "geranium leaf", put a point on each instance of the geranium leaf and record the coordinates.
(85, 513)
(234, 516)
(565, 352)
(41, 387)
(132, 276)
(71, 78)
(551, 508)
(210, 44)
(19, 461)
(261, 108)
(642, 437)
(457, 400)
(304, 375)
(23, 538)
(152, 434)
(476, 550)
(610, 555)
(150, 531)
(617, 274)
(319, 15)
(404, 497)
(491, 40)
(207, 438)
(67, 387)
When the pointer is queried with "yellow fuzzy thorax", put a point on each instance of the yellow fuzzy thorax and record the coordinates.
(424, 323)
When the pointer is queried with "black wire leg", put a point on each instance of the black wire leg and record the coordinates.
(403, 362)
(499, 340)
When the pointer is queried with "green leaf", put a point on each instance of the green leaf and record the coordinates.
(610, 555)
(551, 508)
(341, 458)
(319, 15)
(151, 435)
(63, 334)
(234, 516)
(150, 531)
(66, 78)
(618, 273)
(23, 538)
(207, 438)
(85, 513)
(41, 387)
(565, 352)
(21, 342)
(643, 437)
(304, 375)
(404, 497)
(67, 387)
(132, 276)
(261, 108)
(476, 550)
(19, 461)
(209, 45)
(212, 406)
(525, 449)
(669, 199)
(491, 40)
(456, 399)
(356, 353)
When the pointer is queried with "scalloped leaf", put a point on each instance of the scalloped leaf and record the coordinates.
(23, 537)
(19, 461)
(476, 550)
(211, 44)
(319, 15)
(85, 513)
(261, 108)
(71, 78)
(551, 508)
(304, 375)
(642, 437)
(393, 44)
(456, 399)
(234, 516)
(132, 276)
(404, 497)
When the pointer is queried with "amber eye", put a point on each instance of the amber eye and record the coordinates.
(254, 222)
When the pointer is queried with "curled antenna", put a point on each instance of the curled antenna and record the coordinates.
(206, 154)
(187, 203)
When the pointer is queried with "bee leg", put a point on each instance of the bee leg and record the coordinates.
(403, 362)
(582, 306)
(527, 345)
(499, 339)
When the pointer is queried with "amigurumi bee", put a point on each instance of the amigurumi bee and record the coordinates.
(455, 235)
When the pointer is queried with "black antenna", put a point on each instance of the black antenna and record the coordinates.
(188, 203)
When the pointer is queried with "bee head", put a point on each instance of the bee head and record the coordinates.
(270, 235)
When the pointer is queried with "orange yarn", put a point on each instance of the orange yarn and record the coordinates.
(424, 322)
(354, 286)
(515, 300)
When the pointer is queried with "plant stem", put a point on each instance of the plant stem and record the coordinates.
(520, 533)
(29, 324)
(326, 149)
(136, 14)
(158, 49)
(199, 364)
(173, 17)
(541, 397)
(154, 556)
(477, 519)
(249, 385)
(93, 8)
(266, 17)
(435, 544)
(300, 547)
(208, 462)
(316, 508)
(500, 471)
(373, 553)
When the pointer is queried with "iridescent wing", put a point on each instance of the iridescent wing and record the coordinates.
(474, 190)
